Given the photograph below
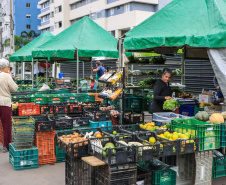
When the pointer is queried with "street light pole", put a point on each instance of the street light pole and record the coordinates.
(11, 28)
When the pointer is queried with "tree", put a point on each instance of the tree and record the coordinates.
(19, 42)
(29, 35)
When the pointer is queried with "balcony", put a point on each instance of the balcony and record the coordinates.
(45, 9)
(45, 23)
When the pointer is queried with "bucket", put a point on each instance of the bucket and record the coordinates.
(61, 75)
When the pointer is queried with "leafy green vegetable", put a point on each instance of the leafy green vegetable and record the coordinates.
(170, 104)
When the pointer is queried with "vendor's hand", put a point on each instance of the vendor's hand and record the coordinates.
(168, 97)
(92, 68)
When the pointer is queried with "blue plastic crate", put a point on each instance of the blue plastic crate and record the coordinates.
(186, 110)
(100, 124)
(23, 159)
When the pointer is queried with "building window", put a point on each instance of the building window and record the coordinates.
(0, 23)
(60, 8)
(0, 5)
(28, 16)
(127, 7)
(28, 5)
(112, 11)
(28, 26)
(99, 14)
(60, 24)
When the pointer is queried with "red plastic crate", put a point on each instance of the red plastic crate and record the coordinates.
(44, 141)
(27, 109)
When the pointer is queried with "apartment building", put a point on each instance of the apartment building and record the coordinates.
(54, 15)
(25, 16)
(115, 16)
(25, 13)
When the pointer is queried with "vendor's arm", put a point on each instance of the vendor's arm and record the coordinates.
(95, 70)
(157, 91)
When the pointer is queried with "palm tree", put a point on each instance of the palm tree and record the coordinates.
(29, 35)
(19, 42)
(6, 43)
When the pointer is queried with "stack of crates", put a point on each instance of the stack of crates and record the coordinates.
(161, 175)
(45, 142)
(208, 134)
(77, 172)
(117, 174)
(203, 171)
(22, 154)
(219, 165)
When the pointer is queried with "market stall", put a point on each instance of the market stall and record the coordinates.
(81, 41)
(25, 54)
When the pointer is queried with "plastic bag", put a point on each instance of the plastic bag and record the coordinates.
(45, 87)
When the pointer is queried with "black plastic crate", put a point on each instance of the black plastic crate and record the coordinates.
(78, 172)
(133, 118)
(135, 128)
(144, 177)
(185, 146)
(15, 112)
(114, 131)
(90, 104)
(80, 121)
(120, 154)
(73, 108)
(21, 99)
(116, 175)
(60, 108)
(46, 109)
(144, 151)
(62, 122)
(165, 147)
(94, 114)
(43, 123)
(76, 149)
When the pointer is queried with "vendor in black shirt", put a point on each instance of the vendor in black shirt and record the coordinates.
(162, 91)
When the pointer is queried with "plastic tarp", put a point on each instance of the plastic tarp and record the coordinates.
(218, 60)
(196, 23)
(24, 54)
(89, 38)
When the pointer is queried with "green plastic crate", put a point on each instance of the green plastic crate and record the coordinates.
(23, 159)
(145, 104)
(21, 99)
(161, 177)
(60, 155)
(223, 134)
(150, 102)
(219, 166)
(197, 109)
(209, 134)
(38, 98)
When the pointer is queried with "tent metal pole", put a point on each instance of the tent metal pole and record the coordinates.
(83, 69)
(22, 70)
(36, 72)
(77, 71)
(55, 75)
(32, 73)
(91, 66)
(46, 71)
(183, 68)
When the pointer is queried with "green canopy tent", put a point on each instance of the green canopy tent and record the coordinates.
(192, 25)
(82, 40)
(25, 53)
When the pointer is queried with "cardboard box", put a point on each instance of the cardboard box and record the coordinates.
(205, 98)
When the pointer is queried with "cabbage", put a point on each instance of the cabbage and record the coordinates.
(170, 104)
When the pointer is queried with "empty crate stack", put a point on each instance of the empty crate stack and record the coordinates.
(22, 153)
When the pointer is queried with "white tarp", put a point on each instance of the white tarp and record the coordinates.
(218, 60)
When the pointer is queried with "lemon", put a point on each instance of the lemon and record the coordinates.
(152, 140)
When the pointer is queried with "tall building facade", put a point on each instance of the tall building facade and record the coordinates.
(25, 18)
(54, 15)
(115, 16)
(25, 15)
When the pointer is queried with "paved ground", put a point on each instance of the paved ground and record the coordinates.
(44, 175)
